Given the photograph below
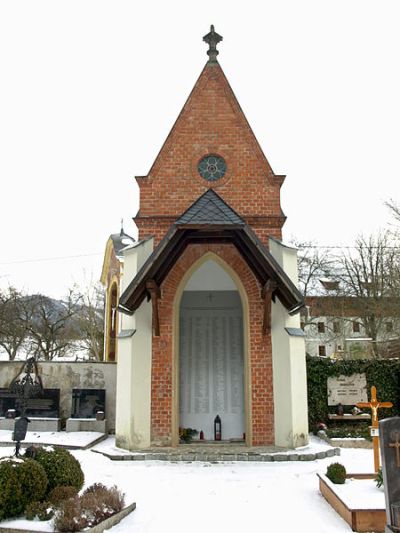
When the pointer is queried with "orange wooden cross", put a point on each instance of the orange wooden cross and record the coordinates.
(374, 404)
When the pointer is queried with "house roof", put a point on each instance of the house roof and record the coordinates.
(210, 220)
(120, 241)
(115, 243)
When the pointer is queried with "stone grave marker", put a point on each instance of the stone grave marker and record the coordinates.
(87, 402)
(389, 431)
(45, 406)
(347, 390)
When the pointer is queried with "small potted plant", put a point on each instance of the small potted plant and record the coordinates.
(186, 434)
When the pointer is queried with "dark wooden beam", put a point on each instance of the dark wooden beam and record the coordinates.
(266, 294)
(155, 294)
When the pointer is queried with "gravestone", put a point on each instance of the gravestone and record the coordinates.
(87, 402)
(7, 401)
(389, 431)
(45, 406)
(20, 429)
(347, 390)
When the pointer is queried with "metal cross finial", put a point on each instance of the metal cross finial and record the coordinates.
(212, 39)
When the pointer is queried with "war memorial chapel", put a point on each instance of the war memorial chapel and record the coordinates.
(208, 299)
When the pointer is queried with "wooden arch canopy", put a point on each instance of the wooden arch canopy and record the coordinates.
(210, 220)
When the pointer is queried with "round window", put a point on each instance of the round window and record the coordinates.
(212, 167)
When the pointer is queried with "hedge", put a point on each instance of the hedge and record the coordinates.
(383, 373)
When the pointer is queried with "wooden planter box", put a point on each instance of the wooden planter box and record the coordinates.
(361, 520)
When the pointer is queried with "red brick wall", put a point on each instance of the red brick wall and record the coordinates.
(210, 122)
(262, 415)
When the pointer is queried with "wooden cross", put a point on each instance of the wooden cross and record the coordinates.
(397, 446)
(374, 404)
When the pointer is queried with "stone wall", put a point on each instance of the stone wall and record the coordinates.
(71, 375)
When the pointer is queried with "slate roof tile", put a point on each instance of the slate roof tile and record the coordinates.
(210, 209)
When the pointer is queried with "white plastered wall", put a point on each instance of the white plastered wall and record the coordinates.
(133, 409)
(289, 363)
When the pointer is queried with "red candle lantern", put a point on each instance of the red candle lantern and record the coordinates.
(217, 428)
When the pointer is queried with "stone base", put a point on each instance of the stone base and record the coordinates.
(86, 424)
(36, 424)
(216, 453)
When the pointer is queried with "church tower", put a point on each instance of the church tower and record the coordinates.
(209, 305)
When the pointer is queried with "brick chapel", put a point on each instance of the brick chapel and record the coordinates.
(209, 304)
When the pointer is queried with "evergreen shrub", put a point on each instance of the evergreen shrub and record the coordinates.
(39, 510)
(336, 472)
(379, 478)
(21, 482)
(61, 468)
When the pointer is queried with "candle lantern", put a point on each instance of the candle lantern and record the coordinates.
(217, 428)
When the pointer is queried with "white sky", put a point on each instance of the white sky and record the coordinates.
(90, 89)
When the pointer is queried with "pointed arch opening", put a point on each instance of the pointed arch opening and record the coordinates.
(211, 351)
(112, 322)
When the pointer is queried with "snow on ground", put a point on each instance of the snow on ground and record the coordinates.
(61, 438)
(359, 494)
(234, 497)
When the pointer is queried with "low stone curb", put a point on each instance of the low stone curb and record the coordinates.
(220, 457)
(106, 524)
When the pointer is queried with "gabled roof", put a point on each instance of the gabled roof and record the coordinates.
(198, 225)
(193, 105)
(210, 209)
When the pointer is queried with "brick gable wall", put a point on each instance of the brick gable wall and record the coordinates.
(210, 122)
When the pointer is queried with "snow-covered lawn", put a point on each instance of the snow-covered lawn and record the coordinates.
(227, 497)
(60, 438)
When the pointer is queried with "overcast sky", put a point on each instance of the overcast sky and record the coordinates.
(90, 89)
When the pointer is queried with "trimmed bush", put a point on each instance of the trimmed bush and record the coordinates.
(61, 468)
(41, 510)
(336, 473)
(95, 505)
(61, 493)
(21, 482)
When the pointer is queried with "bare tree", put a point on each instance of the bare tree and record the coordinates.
(13, 327)
(370, 275)
(50, 325)
(314, 263)
(89, 321)
(394, 208)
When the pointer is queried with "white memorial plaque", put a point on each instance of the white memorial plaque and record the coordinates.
(347, 390)
(211, 362)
